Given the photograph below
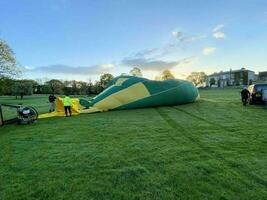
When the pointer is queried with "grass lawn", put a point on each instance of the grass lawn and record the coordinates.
(212, 149)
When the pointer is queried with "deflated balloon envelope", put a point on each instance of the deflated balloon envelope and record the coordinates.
(128, 92)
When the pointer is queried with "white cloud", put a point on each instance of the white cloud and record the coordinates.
(218, 27)
(106, 66)
(217, 32)
(145, 53)
(156, 65)
(208, 50)
(177, 34)
(26, 67)
(72, 70)
(144, 64)
(218, 35)
(151, 59)
(186, 39)
(192, 38)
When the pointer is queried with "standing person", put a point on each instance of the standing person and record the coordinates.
(52, 99)
(67, 105)
(245, 95)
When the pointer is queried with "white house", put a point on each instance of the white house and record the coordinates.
(232, 77)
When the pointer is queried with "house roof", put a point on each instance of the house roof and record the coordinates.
(228, 72)
(263, 73)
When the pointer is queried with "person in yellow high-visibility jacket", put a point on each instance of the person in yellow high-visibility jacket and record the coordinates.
(67, 105)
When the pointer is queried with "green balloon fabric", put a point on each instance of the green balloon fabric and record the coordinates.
(129, 92)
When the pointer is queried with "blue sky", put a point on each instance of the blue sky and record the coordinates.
(83, 39)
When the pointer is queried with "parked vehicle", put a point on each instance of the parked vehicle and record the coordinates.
(256, 93)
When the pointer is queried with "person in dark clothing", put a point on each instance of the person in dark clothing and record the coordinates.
(52, 99)
(245, 95)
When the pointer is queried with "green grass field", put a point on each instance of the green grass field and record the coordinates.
(212, 149)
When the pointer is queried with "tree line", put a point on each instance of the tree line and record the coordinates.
(19, 88)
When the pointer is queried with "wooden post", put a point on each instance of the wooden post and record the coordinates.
(1, 116)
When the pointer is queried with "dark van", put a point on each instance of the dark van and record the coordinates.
(256, 93)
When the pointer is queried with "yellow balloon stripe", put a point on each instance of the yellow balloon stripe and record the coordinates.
(122, 97)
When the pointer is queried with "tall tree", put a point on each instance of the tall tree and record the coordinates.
(83, 87)
(197, 78)
(97, 88)
(6, 85)
(56, 86)
(22, 88)
(166, 74)
(105, 79)
(46, 89)
(34, 84)
(136, 72)
(212, 81)
(75, 87)
(90, 87)
(7, 60)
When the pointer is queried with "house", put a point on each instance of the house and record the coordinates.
(232, 77)
(263, 76)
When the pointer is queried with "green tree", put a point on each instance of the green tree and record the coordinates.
(75, 86)
(46, 89)
(34, 83)
(97, 87)
(6, 85)
(197, 78)
(7, 60)
(212, 81)
(166, 74)
(136, 72)
(22, 88)
(83, 86)
(67, 90)
(56, 86)
(90, 88)
(105, 79)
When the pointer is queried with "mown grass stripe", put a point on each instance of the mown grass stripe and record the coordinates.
(230, 164)
(172, 123)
